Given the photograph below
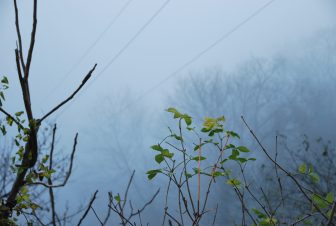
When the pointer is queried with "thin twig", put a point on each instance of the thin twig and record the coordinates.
(51, 192)
(88, 208)
(146, 204)
(94, 212)
(86, 78)
(174, 219)
(12, 118)
(303, 218)
(68, 174)
(331, 217)
(276, 171)
(214, 219)
(108, 211)
(285, 171)
(127, 189)
(32, 42)
(18, 32)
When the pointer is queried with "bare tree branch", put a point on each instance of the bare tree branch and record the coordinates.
(18, 32)
(93, 210)
(11, 117)
(284, 170)
(88, 208)
(331, 217)
(68, 174)
(32, 42)
(86, 78)
(51, 192)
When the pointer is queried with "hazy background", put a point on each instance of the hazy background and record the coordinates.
(125, 100)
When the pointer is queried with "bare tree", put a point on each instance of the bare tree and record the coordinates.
(31, 167)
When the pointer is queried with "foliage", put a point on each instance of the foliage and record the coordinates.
(180, 154)
(182, 157)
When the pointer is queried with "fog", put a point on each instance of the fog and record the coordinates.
(119, 114)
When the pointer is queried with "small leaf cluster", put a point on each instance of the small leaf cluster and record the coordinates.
(263, 219)
(309, 171)
(24, 202)
(4, 84)
(180, 153)
(42, 172)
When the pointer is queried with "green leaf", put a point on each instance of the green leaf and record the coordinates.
(45, 159)
(19, 113)
(223, 161)
(166, 153)
(4, 80)
(211, 133)
(9, 121)
(303, 168)
(3, 130)
(205, 130)
(51, 171)
(232, 134)
(233, 182)
(188, 175)
(209, 123)
(198, 158)
(221, 118)
(152, 173)
(175, 112)
(159, 158)
(217, 174)
(229, 146)
(187, 119)
(25, 138)
(177, 137)
(198, 146)
(234, 154)
(196, 170)
(243, 149)
(259, 213)
(319, 201)
(34, 206)
(242, 160)
(157, 147)
(314, 177)
(117, 198)
(330, 197)
(268, 222)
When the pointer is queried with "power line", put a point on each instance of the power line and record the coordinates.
(88, 50)
(129, 42)
(122, 50)
(199, 55)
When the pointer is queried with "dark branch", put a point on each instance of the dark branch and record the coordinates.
(32, 42)
(88, 208)
(331, 217)
(87, 77)
(11, 117)
(299, 186)
(18, 32)
(51, 192)
(146, 204)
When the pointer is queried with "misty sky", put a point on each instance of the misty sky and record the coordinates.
(179, 32)
(182, 30)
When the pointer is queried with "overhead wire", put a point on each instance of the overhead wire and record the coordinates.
(88, 50)
(199, 55)
(121, 51)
